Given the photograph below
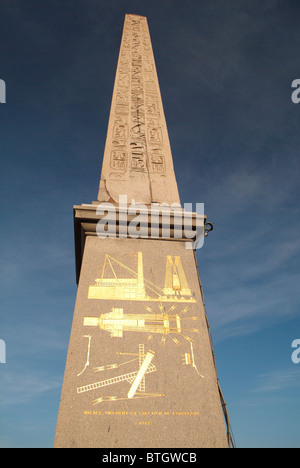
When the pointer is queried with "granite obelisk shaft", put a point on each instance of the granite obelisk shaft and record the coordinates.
(137, 158)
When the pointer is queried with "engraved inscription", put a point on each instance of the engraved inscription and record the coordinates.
(138, 155)
(118, 159)
(137, 118)
(155, 135)
(138, 161)
(157, 163)
(120, 132)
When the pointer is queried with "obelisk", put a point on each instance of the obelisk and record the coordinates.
(140, 368)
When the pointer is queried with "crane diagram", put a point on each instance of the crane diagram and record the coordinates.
(135, 287)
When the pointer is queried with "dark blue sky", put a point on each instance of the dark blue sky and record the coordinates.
(225, 69)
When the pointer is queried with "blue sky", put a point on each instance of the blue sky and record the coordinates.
(225, 70)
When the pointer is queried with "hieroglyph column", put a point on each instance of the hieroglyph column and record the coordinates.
(137, 158)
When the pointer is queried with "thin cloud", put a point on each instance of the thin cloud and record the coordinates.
(276, 381)
(18, 387)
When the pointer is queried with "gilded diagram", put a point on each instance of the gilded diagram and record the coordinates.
(155, 323)
(136, 378)
(134, 286)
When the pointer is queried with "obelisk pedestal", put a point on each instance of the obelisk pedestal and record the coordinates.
(161, 339)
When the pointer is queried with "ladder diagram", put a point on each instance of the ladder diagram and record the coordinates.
(136, 379)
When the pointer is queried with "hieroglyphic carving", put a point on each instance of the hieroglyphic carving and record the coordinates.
(120, 132)
(152, 99)
(152, 105)
(137, 149)
(155, 135)
(157, 165)
(138, 157)
(137, 131)
(138, 161)
(118, 159)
